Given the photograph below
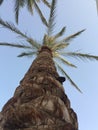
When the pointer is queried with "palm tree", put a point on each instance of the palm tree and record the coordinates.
(39, 102)
(31, 4)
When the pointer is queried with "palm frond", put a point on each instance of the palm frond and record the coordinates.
(64, 61)
(12, 27)
(40, 14)
(47, 3)
(14, 45)
(48, 41)
(34, 43)
(68, 77)
(27, 54)
(59, 46)
(18, 4)
(51, 22)
(60, 33)
(71, 37)
(82, 56)
(30, 5)
(1, 1)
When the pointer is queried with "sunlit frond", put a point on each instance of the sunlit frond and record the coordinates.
(51, 22)
(14, 45)
(82, 56)
(48, 41)
(60, 33)
(40, 14)
(27, 54)
(71, 37)
(68, 77)
(59, 46)
(64, 61)
(30, 5)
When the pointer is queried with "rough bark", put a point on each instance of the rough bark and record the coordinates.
(39, 102)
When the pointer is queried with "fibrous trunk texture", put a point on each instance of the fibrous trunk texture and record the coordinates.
(39, 102)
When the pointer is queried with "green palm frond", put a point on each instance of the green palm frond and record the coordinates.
(18, 5)
(51, 22)
(71, 37)
(40, 14)
(27, 54)
(34, 43)
(47, 3)
(60, 33)
(12, 27)
(64, 61)
(14, 45)
(68, 77)
(82, 56)
(31, 4)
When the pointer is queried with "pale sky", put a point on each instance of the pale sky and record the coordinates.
(75, 15)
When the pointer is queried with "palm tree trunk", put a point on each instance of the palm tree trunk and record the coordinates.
(39, 102)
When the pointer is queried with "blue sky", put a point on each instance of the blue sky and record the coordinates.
(75, 15)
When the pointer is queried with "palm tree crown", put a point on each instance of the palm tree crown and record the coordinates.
(56, 46)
